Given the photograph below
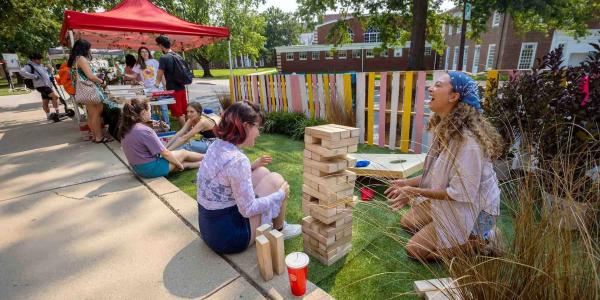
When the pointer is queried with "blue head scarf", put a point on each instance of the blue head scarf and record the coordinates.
(466, 87)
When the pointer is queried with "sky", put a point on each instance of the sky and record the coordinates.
(291, 5)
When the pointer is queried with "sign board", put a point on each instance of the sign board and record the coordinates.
(12, 62)
(468, 11)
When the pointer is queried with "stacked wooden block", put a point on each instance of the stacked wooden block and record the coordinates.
(269, 251)
(327, 193)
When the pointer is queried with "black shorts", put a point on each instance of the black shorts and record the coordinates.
(45, 91)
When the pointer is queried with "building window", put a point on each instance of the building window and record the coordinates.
(372, 35)
(289, 56)
(496, 19)
(490, 56)
(328, 54)
(427, 50)
(351, 33)
(475, 66)
(316, 55)
(455, 59)
(384, 53)
(450, 29)
(355, 53)
(446, 58)
(342, 54)
(398, 52)
(302, 55)
(369, 53)
(465, 56)
(527, 55)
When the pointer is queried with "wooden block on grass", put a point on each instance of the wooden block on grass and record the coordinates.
(263, 254)
(277, 251)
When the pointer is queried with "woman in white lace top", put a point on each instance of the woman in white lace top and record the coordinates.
(234, 196)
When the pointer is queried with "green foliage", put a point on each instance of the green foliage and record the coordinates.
(282, 29)
(289, 124)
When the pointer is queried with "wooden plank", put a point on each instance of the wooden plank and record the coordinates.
(287, 94)
(348, 93)
(315, 91)
(261, 92)
(370, 108)
(354, 132)
(263, 254)
(360, 106)
(419, 112)
(277, 251)
(321, 96)
(303, 97)
(327, 132)
(340, 143)
(280, 92)
(311, 105)
(389, 165)
(249, 88)
(231, 93)
(326, 96)
(241, 88)
(339, 90)
(406, 112)
(394, 110)
(263, 229)
(255, 94)
(272, 92)
(382, 107)
(491, 75)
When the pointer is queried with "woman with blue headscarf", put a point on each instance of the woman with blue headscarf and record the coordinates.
(455, 201)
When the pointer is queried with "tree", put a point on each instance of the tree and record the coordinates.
(403, 20)
(282, 29)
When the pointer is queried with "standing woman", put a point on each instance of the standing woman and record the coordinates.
(457, 198)
(79, 62)
(196, 123)
(146, 68)
(130, 77)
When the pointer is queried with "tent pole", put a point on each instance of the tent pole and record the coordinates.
(230, 62)
(71, 38)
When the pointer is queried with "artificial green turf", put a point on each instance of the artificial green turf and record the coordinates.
(224, 73)
(377, 267)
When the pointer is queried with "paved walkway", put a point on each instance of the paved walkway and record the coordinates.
(76, 223)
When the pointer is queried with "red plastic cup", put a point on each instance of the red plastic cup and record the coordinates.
(366, 193)
(297, 266)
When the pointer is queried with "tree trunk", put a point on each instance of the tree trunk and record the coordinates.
(204, 63)
(416, 54)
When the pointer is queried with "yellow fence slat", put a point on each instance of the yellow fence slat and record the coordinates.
(284, 92)
(370, 108)
(348, 93)
(406, 110)
(311, 105)
(326, 94)
(231, 94)
(491, 75)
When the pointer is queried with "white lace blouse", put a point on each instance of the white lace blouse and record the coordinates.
(225, 180)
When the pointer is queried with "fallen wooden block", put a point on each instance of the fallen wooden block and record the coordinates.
(277, 251)
(263, 254)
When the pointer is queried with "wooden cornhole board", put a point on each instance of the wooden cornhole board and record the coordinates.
(389, 165)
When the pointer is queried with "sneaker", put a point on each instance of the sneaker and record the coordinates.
(291, 230)
(48, 116)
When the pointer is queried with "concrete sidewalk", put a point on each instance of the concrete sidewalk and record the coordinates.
(77, 223)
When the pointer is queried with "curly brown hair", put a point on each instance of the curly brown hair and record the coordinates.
(465, 117)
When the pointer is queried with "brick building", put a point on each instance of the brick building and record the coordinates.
(501, 47)
(358, 56)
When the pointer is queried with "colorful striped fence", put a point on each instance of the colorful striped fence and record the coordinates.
(391, 111)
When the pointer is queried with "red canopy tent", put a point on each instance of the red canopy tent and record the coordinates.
(135, 23)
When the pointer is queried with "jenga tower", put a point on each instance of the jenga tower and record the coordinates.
(327, 191)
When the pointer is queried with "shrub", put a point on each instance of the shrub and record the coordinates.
(290, 124)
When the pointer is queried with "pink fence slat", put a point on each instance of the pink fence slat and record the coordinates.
(382, 107)
(332, 91)
(419, 112)
(295, 83)
(315, 91)
(254, 83)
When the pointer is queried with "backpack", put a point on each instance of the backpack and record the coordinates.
(29, 82)
(181, 71)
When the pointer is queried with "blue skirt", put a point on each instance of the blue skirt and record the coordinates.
(225, 231)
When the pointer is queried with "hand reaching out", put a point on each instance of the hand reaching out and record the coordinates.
(399, 196)
(262, 161)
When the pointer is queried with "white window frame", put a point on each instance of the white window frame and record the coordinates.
(384, 53)
(328, 54)
(520, 64)
(476, 57)
(489, 61)
(427, 50)
(303, 55)
(289, 56)
(455, 58)
(465, 58)
(446, 59)
(316, 55)
(356, 53)
(496, 19)
(345, 52)
(398, 52)
(369, 53)
(372, 35)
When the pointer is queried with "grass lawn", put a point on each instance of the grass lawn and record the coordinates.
(224, 73)
(4, 89)
(377, 267)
